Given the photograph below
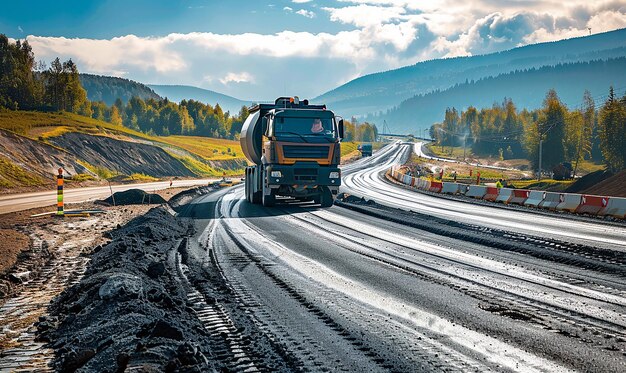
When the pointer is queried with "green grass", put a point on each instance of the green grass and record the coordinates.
(347, 148)
(102, 172)
(12, 175)
(37, 125)
(204, 169)
(42, 126)
(80, 178)
(545, 184)
(206, 147)
(141, 177)
(587, 166)
(449, 152)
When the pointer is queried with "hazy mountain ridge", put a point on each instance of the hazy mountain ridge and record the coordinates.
(380, 91)
(178, 93)
(110, 88)
(526, 88)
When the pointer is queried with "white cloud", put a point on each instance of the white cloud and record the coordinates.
(365, 15)
(306, 13)
(103, 56)
(300, 1)
(607, 20)
(378, 35)
(242, 77)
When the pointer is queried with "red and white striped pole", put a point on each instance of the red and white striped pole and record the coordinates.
(60, 211)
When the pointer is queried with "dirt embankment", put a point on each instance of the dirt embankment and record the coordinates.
(35, 159)
(122, 156)
(612, 186)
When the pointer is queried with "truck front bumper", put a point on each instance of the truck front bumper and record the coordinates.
(299, 175)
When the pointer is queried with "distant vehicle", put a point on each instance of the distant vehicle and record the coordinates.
(295, 151)
(365, 149)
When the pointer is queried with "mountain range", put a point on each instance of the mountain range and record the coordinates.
(413, 97)
(378, 92)
(178, 93)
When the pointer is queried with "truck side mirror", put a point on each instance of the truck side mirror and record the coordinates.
(264, 125)
(341, 128)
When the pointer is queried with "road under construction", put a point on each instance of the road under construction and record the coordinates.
(388, 279)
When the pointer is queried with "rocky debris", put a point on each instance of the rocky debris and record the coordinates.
(130, 310)
(348, 198)
(184, 197)
(133, 197)
(122, 156)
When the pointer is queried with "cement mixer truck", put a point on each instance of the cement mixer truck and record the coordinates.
(294, 148)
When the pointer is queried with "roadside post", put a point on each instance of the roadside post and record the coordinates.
(60, 211)
(478, 178)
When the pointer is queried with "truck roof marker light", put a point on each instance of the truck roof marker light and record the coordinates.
(291, 99)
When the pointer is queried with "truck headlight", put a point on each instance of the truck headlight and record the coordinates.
(334, 175)
(276, 174)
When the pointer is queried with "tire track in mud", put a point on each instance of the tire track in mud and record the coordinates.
(499, 301)
(389, 343)
(421, 352)
(24, 313)
(561, 252)
(228, 344)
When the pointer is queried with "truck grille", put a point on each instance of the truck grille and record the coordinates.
(305, 174)
(313, 152)
(305, 171)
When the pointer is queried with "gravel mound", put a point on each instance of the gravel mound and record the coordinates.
(129, 310)
(133, 197)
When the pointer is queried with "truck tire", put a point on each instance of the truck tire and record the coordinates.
(247, 188)
(326, 198)
(269, 200)
(257, 197)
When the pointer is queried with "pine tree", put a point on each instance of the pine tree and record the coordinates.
(552, 127)
(612, 132)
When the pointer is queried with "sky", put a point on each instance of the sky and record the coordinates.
(257, 50)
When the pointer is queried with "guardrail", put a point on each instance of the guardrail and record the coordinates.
(575, 203)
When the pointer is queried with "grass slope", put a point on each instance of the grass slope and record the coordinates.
(204, 156)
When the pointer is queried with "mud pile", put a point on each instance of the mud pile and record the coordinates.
(133, 197)
(129, 310)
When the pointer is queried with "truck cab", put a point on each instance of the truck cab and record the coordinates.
(299, 152)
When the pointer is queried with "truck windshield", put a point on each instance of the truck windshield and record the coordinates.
(304, 127)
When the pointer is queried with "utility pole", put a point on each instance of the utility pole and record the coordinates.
(464, 142)
(540, 149)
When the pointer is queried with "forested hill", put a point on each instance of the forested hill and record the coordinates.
(375, 92)
(526, 88)
(177, 93)
(108, 89)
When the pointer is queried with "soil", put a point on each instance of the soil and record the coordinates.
(133, 197)
(129, 308)
(12, 243)
(122, 156)
(427, 166)
(614, 186)
(43, 256)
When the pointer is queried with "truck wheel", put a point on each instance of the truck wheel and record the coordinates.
(257, 197)
(247, 188)
(326, 199)
(268, 199)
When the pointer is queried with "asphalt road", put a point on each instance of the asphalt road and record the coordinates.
(24, 201)
(415, 283)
